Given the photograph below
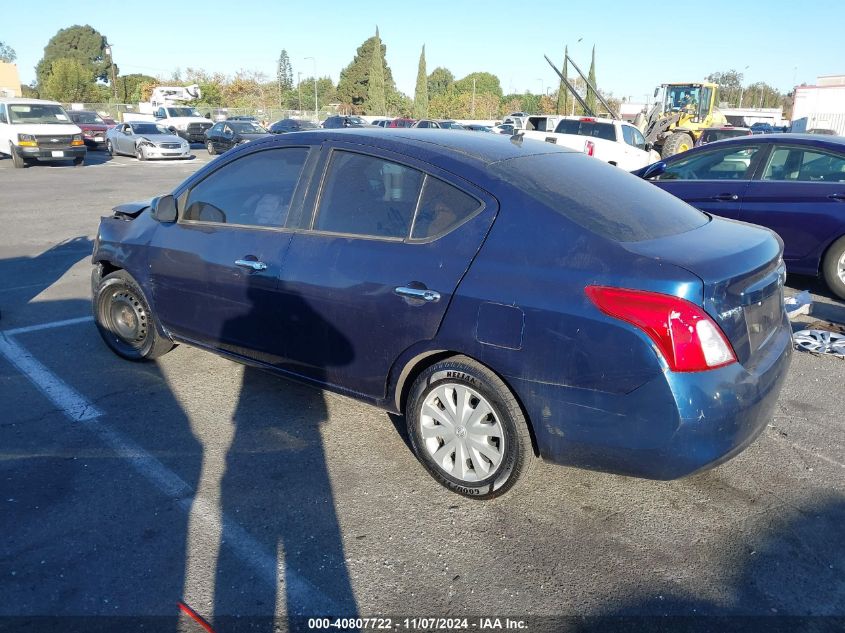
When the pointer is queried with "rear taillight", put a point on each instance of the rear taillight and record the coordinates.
(589, 148)
(686, 336)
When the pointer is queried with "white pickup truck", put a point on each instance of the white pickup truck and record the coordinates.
(615, 142)
(185, 120)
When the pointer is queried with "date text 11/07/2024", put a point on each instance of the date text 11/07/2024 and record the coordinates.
(418, 624)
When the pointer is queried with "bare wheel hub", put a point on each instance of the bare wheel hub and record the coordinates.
(128, 317)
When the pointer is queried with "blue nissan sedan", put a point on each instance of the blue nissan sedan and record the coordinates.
(512, 299)
(793, 184)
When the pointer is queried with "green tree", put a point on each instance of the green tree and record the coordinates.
(439, 82)
(30, 91)
(353, 87)
(82, 43)
(130, 87)
(375, 85)
(591, 100)
(730, 85)
(284, 75)
(485, 83)
(7, 53)
(762, 95)
(421, 91)
(563, 91)
(326, 93)
(69, 81)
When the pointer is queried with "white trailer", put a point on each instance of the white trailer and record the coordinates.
(819, 107)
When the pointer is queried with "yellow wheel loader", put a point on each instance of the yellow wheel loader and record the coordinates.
(675, 122)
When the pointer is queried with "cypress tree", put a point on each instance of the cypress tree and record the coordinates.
(591, 96)
(375, 90)
(421, 92)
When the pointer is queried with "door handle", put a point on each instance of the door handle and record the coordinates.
(839, 197)
(726, 197)
(251, 263)
(418, 293)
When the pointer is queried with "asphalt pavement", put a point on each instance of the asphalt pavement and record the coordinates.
(126, 488)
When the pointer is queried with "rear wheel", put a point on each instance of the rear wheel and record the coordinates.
(467, 429)
(833, 267)
(676, 143)
(125, 321)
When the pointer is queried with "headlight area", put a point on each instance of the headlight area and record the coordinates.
(77, 141)
(27, 140)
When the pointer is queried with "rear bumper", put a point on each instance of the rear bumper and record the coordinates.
(52, 154)
(673, 426)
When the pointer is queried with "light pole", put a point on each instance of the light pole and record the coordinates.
(299, 88)
(107, 50)
(316, 111)
(742, 89)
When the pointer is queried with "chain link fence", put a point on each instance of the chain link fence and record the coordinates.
(117, 111)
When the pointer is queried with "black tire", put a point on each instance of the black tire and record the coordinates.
(210, 147)
(125, 320)
(139, 153)
(830, 268)
(78, 161)
(517, 458)
(18, 161)
(109, 148)
(677, 143)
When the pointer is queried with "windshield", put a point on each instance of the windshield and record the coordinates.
(586, 127)
(183, 112)
(87, 118)
(37, 113)
(246, 127)
(679, 97)
(149, 128)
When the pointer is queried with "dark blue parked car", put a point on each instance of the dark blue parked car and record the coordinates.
(512, 299)
(793, 184)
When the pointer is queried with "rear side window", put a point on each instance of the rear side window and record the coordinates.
(595, 129)
(255, 190)
(727, 163)
(804, 165)
(442, 207)
(366, 195)
(603, 199)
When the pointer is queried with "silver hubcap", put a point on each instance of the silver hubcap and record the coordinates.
(461, 432)
(840, 268)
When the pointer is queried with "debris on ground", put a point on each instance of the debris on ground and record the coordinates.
(798, 304)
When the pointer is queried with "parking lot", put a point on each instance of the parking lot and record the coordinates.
(126, 488)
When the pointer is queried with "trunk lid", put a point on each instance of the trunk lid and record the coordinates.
(742, 271)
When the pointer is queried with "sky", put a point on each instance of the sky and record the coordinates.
(779, 42)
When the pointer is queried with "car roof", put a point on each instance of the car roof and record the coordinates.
(25, 100)
(726, 127)
(430, 145)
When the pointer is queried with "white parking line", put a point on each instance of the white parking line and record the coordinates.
(304, 597)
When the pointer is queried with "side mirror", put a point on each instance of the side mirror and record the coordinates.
(648, 147)
(172, 129)
(656, 90)
(653, 170)
(164, 209)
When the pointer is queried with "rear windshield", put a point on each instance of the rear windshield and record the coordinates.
(718, 135)
(601, 198)
(587, 128)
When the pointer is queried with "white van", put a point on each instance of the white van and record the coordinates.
(34, 129)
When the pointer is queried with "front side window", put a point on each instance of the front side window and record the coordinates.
(255, 190)
(733, 163)
(628, 135)
(804, 165)
(639, 139)
(366, 195)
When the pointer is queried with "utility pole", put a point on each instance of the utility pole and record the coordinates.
(107, 49)
(316, 110)
(299, 87)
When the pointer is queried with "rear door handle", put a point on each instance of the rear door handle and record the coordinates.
(251, 263)
(425, 294)
(726, 197)
(839, 197)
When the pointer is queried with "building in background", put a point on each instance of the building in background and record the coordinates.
(821, 106)
(10, 80)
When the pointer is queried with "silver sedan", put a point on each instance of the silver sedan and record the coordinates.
(144, 140)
